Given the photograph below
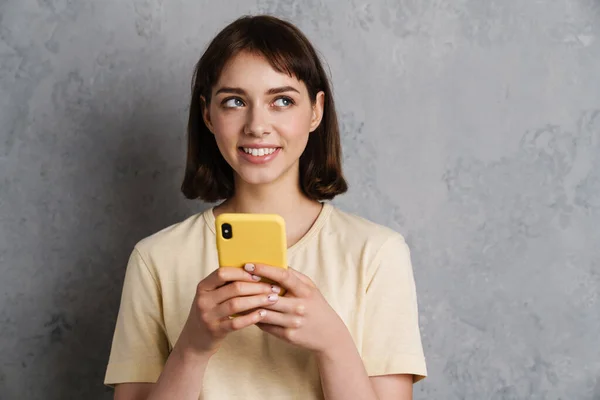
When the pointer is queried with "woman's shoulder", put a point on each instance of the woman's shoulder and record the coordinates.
(356, 229)
(176, 237)
(359, 242)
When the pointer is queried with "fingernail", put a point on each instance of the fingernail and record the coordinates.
(262, 313)
(256, 277)
(249, 267)
(273, 297)
(275, 289)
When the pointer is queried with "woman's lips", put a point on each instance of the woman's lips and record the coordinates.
(259, 155)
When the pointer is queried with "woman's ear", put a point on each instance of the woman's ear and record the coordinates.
(317, 111)
(206, 114)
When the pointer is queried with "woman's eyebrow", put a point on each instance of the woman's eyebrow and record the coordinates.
(233, 90)
(282, 89)
(240, 91)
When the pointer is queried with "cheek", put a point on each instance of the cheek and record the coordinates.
(226, 130)
(225, 124)
(295, 127)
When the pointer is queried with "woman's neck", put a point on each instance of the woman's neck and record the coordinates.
(283, 196)
(298, 211)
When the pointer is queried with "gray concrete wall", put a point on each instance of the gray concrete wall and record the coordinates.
(472, 126)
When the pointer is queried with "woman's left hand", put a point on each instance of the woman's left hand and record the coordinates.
(301, 317)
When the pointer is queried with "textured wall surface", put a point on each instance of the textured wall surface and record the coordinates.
(471, 126)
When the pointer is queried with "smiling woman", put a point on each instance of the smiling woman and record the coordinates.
(263, 137)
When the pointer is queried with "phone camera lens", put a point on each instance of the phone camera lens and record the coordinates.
(226, 231)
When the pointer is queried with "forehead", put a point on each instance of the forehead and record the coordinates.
(251, 71)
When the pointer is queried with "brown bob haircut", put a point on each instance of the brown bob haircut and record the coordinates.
(207, 175)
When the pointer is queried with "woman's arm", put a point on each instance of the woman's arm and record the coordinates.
(133, 391)
(397, 387)
(182, 377)
(207, 325)
(343, 376)
(304, 318)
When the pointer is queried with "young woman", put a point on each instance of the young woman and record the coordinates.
(264, 138)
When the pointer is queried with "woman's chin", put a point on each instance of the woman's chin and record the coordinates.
(258, 179)
(258, 176)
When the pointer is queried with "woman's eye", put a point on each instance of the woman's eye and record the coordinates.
(283, 102)
(233, 103)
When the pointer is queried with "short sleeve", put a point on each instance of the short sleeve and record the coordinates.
(140, 347)
(391, 337)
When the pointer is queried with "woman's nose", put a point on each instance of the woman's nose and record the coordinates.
(257, 122)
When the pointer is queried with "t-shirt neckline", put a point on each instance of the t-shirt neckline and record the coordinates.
(209, 219)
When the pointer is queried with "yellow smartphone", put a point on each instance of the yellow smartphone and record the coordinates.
(251, 238)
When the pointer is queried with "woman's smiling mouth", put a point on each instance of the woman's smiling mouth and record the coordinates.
(259, 155)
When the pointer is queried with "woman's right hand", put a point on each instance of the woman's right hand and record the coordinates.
(226, 291)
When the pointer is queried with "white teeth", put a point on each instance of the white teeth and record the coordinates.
(259, 152)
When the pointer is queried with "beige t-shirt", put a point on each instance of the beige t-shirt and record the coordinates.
(363, 270)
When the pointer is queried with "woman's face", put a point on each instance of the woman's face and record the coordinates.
(261, 119)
